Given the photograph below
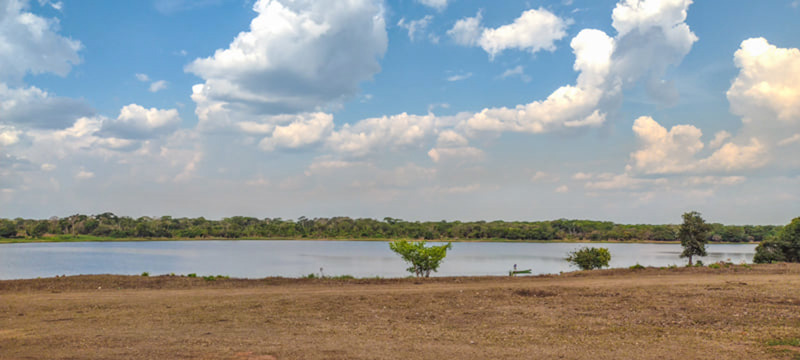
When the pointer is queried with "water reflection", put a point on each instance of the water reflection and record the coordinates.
(256, 259)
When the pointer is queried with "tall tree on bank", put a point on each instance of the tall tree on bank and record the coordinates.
(693, 234)
(784, 247)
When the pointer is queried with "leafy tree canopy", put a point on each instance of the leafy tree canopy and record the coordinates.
(423, 259)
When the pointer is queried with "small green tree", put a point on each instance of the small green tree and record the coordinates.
(784, 247)
(423, 259)
(693, 234)
(589, 258)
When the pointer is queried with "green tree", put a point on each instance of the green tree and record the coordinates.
(589, 258)
(423, 259)
(693, 234)
(784, 247)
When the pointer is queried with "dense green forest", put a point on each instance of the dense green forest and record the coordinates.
(108, 225)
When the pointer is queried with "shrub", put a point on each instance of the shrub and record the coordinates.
(192, 275)
(636, 267)
(423, 259)
(145, 273)
(784, 247)
(589, 258)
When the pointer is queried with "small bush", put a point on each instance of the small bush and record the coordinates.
(192, 275)
(145, 273)
(636, 267)
(215, 278)
(699, 263)
(589, 258)
(311, 276)
(342, 277)
(715, 266)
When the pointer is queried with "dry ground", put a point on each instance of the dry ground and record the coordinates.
(698, 313)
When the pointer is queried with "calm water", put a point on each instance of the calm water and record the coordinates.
(257, 259)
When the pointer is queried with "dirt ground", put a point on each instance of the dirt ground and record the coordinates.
(684, 313)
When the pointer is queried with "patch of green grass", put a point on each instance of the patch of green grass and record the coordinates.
(785, 342)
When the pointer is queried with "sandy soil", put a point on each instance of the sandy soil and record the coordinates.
(698, 313)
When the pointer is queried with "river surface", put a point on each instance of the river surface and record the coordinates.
(262, 258)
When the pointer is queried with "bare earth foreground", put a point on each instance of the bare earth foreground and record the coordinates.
(686, 313)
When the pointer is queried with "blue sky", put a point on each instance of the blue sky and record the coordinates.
(631, 110)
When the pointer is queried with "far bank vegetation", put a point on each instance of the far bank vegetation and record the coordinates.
(111, 226)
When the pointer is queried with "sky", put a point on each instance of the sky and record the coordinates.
(633, 111)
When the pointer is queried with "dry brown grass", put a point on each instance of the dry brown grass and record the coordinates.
(734, 313)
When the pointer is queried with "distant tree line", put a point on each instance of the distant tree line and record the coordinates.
(108, 225)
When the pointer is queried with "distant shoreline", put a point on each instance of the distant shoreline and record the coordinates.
(85, 239)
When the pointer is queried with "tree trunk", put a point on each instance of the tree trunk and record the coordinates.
(690, 260)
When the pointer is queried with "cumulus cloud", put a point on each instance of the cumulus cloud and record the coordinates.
(534, 30)
(385, 132)
(137, 122)
(305, 130)
(34, 108)
(297, 56)
(674, 151)
(652, 36)
(8, 135)
(31, 44)
(568, 106)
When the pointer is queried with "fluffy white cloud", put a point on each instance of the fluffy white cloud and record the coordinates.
(305, 130)
(568, 106)
(652, 35)
(436, 4)
(34, 108)
(674, 151)
(534, 30)
(368, 135)
(467, 31)
(665, 151)
(719, 139)
(768, 85)
(30, 44)
(136, 122)
(297, 56)
(8, 135)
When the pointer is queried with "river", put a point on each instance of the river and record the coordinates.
(263, 258)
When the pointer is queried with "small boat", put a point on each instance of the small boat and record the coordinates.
(516, 272)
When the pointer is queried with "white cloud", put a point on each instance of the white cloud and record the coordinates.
(450, 138)
(534, 30)
(715, 180)
(436, 4)
(621, 182)
(415, 27)
(517, 71)
(47, 167)
(562, 189)
(157, 86)
(369, 135)
(305, 130)
(8, 135)
(719, 139)
(789, 140)
(768, 85)
(142, 77)
(568, 106)
(459, 77)
(674, 151)
(297, 56)
(31, 44)
(463, 153)
(467, 31)
(665, 151)
(34, 108)
(136, 122)
(84, 175)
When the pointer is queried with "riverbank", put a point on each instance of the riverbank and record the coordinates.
(698, 313)
(89, 238)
